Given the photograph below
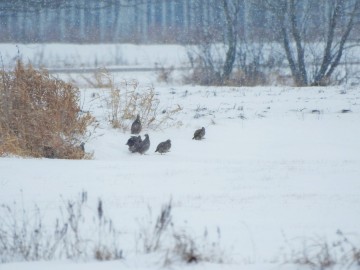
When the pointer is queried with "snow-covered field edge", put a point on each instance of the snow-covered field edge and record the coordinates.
(273, 185)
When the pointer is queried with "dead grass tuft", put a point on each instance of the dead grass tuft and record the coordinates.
(99, 79)
(125, 100)
(318, 253)
(165, 74)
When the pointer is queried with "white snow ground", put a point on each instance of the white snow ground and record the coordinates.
(56, 55)
(279, 167)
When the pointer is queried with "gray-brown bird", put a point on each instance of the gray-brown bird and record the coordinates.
(136, 126)
(134, 143)
(199, 134)
(144, 145)
(163, 147)
(82, 147)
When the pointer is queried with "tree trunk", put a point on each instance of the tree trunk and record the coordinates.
(231, 38)
(302, 74)
(292, 64)
(329, 40)
(330, 62)
(281, 12)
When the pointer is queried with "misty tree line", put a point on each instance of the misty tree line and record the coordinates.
(140, 21)
(319, 31)
(312, 39)
(143, 21)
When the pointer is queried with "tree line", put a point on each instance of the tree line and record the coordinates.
(144, 21)
(240, 25)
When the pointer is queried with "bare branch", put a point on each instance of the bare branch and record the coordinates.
(343, 39)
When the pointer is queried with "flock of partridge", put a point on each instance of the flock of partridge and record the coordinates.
(138, 145)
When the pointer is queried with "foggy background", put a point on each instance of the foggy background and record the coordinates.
(233, 42)
(147, 21)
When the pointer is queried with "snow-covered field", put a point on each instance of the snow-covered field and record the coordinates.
(95, 55)
(276, 176)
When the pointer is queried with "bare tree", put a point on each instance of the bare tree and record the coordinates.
(215, 57)
(231, 9)
(293, 23)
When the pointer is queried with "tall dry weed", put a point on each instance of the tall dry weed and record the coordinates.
(125, 100)
(40, 115)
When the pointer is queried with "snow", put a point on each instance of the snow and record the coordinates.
(55, 55)
(279, 166)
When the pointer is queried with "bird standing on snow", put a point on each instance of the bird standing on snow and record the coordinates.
(144, 145)
(136, 126)
(82, 147)
(199, 134)
(134, 143)
(163, 147)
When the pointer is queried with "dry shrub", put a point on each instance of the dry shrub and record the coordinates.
(202, 75)
(318, 253)
(165, 74)
(249, 76)
(76, 233)
(193, 250)
(126, 100)
(103, 254)
(40, 115)
(178, 245)
(153, 237)
(100, 79)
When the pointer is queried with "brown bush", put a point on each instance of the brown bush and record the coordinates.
(40, 115)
